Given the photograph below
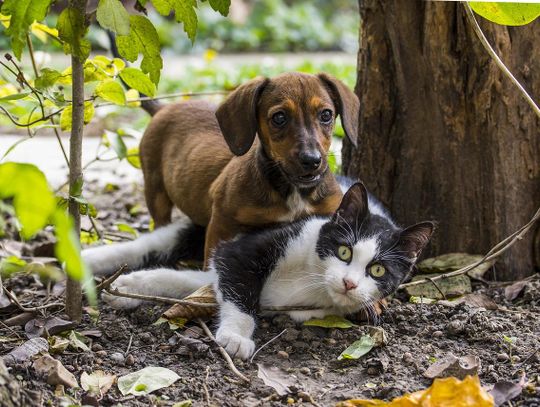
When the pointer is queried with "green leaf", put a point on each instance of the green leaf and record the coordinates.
(112, 15)
(184, 12)
(47, 78)
(185, 403)
(135, 79)
(33, 200)
(146, 380)
(67, 113)
(133, 157)
(11, 265)
(72, 29)
(23, 13)
(507, 13)
(330, 321)
(111, 91)
(117, 143)
(143, 38)
(358, 348)
(122, 227)
(222, 6)
(77, 341)
(15, 96)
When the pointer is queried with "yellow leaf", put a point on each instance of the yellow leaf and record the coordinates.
(210, 55)
(42, 31)
(131, 96)
(448, 392)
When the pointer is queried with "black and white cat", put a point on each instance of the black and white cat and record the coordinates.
(338, 265)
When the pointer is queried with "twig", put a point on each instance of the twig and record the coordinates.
(498, 61)
(222, 351)
(108, 281)
(129, 345)
(437, 287)
(166, 300)
(169, 96)
(492, 254)
(15, 301)
(267, 343)
(205, 387)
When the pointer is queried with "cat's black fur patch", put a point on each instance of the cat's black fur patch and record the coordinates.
(244, 264)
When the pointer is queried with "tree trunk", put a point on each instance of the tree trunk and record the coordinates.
(443, 134)
(73, 287)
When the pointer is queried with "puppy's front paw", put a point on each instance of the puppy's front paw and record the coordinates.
(124, 284)
(236, 345)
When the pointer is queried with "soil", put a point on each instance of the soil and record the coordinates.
(505, 340)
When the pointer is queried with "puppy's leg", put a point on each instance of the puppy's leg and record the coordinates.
(157, 282)
(158, 201)
(164, 246)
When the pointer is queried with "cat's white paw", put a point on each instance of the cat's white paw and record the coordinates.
(236, 345)
(124, 284)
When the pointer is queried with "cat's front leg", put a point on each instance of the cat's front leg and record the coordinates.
(235, 331)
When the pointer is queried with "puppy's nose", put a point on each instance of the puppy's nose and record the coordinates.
(310, 160)
(349, 285)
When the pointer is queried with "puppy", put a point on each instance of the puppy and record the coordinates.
(210, 164)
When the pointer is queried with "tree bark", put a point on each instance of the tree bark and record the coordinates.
(444, 135)
(73, 287)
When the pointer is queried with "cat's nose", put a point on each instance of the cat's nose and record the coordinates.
(349, 285)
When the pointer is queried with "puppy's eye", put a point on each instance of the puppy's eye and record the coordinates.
(377, 270)
(326, 116)
(279, 119)
(344, 253)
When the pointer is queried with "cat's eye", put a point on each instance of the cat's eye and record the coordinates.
(344, 253)
(377, 270)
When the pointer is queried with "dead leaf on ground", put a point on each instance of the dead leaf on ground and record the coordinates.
(46, 326)
(451, 287)
(330, 321)
(474, 300)
(146, 380)
(204, 295)
(54, 371)
(77, 342)
(452, 366)
(57, 344)
(443, 392)
(454, 261)
(504, 390)
(358, 348)
(511, 292)
(379, 336)
(25, 351)
(97, 382)
(276, 378)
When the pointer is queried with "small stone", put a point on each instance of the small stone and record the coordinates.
(516, 359)
(130, 360)
(372, 371)
(407, 357)
(101, 353)
(304, 396)
(70, 368)
(330, 341)
(146, 337)
(455, 327)
(437, 334)
(99, 361)
(503, 357)
(305, 370)
(118, 358)
(282, 354)
(97, 347)
(291, 335)
(265, 325)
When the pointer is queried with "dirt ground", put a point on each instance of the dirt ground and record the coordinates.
(418, 336)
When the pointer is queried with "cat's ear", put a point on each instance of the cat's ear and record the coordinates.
(354, 205)
(413, 239)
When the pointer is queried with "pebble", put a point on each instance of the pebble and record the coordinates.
(117, 357)
(372, 371)
(130, 360)
(97, 347)
(304, 396)
(305, 370)
(407, 357)
(99, 361)
(101, 353)
(455, 327)
(330, 341)
(516, 359)
(502, 357)
(282, 354)
(437, 334)
(70, 368)
(146, 337)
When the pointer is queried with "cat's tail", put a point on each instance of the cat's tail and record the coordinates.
(166, 246)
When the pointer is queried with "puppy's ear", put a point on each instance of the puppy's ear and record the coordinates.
(237, 115)
(354, 206)
(347, 104)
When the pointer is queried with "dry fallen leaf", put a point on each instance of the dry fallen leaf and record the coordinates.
(504, 391)
(97, 382)
(474, 300)
(146, 380)
(451, 286)
(204, 295)
(54, 371)
(276, 378)
(449, 392)
(25, 351)
(330, 321)
(454, 261)
(46, 326)
(512, 291)
(453, 366)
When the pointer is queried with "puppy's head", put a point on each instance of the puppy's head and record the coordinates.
(294, 115)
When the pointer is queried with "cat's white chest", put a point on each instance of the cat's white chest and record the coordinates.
(297, 207)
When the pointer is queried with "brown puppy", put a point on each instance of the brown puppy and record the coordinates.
(209, 164)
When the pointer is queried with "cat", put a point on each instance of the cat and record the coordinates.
(338, 265)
